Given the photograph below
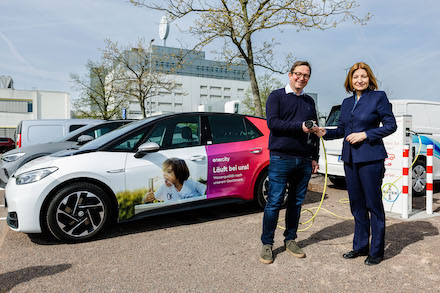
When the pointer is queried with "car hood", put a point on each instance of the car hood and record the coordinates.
(38, 163)
(45, 148)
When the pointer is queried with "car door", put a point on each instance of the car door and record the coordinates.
(236, 151)
(180, 140)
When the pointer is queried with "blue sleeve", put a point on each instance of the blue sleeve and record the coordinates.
(386, 117)
(274, 122)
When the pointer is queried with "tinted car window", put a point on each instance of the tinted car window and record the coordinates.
(98, 130)
(177, 132)
(227, 129)
(131, 143)
(75, 127)
(333, 118)
(252, 131)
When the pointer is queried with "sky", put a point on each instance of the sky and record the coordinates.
(42, 42)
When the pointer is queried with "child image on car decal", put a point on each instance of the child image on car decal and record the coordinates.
(173, 187)
(177, 184)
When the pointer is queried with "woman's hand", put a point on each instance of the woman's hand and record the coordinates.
(356, 137)
(320, 131)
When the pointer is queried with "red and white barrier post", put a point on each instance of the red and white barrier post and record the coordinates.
(405, 181)
(429, 178)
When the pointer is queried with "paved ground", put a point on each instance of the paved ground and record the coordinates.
(215, 250)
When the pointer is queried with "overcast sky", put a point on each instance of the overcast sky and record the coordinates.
(42, 41)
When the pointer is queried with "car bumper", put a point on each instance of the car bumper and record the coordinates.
(335, 166)
(24, 204)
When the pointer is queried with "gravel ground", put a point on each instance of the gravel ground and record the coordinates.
(216, 250)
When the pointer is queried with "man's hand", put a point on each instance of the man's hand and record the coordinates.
(307, 130)
(356, 137)
(315, 166)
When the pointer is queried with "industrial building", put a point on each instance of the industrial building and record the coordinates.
(18, 105)
(198, 82)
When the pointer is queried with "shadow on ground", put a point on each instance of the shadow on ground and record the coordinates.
(397, 237)
(175, 219)
(11, 279)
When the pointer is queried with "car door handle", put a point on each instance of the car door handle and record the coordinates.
(197, 158)
(255, 150)
(115, 171)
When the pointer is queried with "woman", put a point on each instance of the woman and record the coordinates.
(363, 153)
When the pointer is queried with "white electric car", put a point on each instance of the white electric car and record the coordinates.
(151, 166)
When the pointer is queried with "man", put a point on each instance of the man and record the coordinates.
(293, 157)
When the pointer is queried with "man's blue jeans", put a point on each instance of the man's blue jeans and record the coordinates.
(283, 170)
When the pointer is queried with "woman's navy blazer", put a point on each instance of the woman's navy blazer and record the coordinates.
(372, 108)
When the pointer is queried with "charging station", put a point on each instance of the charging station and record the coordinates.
(395, 199)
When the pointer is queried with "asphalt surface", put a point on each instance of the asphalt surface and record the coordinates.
(216, 250)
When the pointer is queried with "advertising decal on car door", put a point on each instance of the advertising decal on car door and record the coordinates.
(226, 166)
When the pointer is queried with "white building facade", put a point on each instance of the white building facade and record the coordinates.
(198, 82)
(18, 105)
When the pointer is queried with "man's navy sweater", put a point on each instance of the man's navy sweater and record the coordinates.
(285, 114)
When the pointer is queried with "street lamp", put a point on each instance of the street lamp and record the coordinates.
(149, 74)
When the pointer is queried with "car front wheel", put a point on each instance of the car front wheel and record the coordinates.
(78, 212)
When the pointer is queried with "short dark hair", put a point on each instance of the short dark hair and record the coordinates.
(179, 167)
(348, 84)
(299, 63)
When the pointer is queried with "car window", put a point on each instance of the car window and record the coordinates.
(75, 127)
(177, 132)
(225, 128)
(333, 118)
(98, 130)
(252, 131)
(131, 143)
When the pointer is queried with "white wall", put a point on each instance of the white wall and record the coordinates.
(45, 105)
(192, 92)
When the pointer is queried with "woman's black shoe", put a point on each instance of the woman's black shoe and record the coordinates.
(371, 261)
(353, 254)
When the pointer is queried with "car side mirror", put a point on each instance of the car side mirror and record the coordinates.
(146, 148)
(84, 139)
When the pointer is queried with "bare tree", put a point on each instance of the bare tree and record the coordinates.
(236, 21)
(142, 72)
(97, 96)
(266, 84)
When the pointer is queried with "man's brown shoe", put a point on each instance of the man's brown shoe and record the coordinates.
(266, 255)
(294, 249)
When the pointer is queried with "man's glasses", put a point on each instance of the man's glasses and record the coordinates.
(299, 75)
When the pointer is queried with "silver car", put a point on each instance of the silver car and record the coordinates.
(14, 159)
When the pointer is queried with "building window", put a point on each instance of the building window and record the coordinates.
(29, 107)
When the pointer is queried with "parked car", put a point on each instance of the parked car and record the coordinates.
(6, 144)
(37, 131)
(14, 159)
(425, 121)
(152, 166)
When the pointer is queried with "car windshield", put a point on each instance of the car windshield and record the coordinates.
(73, 133)
(108, 137)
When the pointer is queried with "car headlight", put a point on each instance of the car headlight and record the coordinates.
(34, 176)
(12, 157)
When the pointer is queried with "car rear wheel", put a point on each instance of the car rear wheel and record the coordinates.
(419, 178)
(338, 181)
(78, 212)
(262, 190)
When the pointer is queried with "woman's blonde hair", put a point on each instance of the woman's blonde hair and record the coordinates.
(349, 80)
